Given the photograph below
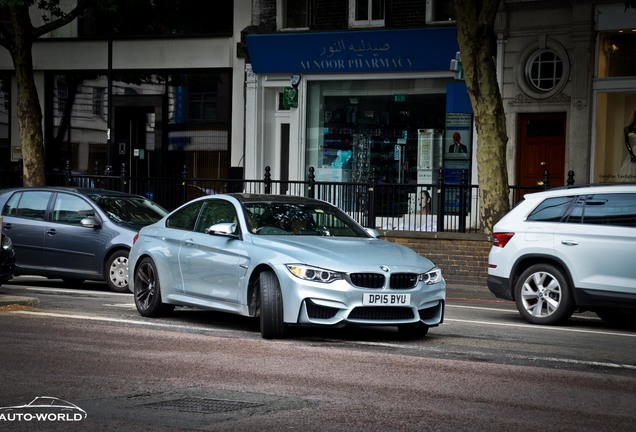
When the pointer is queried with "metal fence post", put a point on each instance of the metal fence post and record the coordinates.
(184, 184)
(570, 181)
(68, 180)
(268, 180)
(312, 182)
(123, 178)
(546, 180)
(441, 201)
(462, 202)
(371, 200)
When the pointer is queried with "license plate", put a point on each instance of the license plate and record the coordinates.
(373, 299)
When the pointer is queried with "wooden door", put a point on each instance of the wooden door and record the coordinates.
(541, 145)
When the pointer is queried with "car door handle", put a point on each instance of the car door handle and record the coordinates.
(569, 242)
(51, 232)
(188, 242)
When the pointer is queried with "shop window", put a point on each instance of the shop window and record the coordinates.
(366, 13)
(292, 14)
(440, 11)
(617, 55)
(544, 70)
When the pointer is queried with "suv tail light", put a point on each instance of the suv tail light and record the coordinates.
(135, 238)
(501, 239)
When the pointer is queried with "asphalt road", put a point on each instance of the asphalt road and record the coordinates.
(484, 369)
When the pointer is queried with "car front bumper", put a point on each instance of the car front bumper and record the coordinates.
(339, 304)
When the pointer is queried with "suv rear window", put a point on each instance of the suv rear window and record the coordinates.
(605, 209)
(551, 209)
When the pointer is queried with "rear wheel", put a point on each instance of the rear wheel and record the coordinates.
(117, 271)
(272, 324)
(543, 296)
(147, 291)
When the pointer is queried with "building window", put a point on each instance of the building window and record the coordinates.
(440, 11)
(544, 70)
(62, 94)
(292, 14)
(202, 107)
(98, 101)
(366, 13)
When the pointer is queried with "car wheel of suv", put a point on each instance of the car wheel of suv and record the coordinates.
(543, 296)
(147, 291)
(272, 324)
(117, 271)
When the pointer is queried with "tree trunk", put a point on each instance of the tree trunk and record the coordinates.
(476, 38)
(29, 110)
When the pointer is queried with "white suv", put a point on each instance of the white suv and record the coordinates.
(566, 250)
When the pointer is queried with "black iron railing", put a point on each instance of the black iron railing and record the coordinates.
(387, 206)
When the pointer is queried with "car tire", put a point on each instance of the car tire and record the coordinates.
(413, 331)
(271, 307)
(147, 291)
(543, 296)
(116, 271)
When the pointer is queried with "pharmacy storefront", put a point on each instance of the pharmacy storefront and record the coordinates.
(356, 106)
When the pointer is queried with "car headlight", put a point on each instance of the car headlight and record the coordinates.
(313, 274)
(6, 243)
(432, 276)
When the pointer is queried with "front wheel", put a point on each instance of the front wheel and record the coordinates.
(147, 291)
(543, 296)
(272, 324)
(116, 271)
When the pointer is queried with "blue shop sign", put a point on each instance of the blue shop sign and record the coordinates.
(422, 49)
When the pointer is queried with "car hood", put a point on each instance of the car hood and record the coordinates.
(343, 253)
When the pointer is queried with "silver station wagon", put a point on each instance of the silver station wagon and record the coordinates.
(75, 234)
(287, 260)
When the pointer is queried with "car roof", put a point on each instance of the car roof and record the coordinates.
(272, 198)
(83, 191)
(583, 190)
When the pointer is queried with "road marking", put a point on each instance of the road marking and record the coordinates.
(378, 344)
(540, 327)
(512, 356)
(116, 320)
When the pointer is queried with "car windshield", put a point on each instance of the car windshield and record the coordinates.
(271, 218)
(135, 211)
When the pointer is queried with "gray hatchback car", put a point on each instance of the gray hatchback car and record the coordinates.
(75, 234)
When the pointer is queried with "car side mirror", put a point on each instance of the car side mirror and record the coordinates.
(89, 222)
(225, 229)
(372, 232)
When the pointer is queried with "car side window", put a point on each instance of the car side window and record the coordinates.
(186, 217)
(71, 209)
(28, 205)
(551, 209)
(214, 212)
(610, 209)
